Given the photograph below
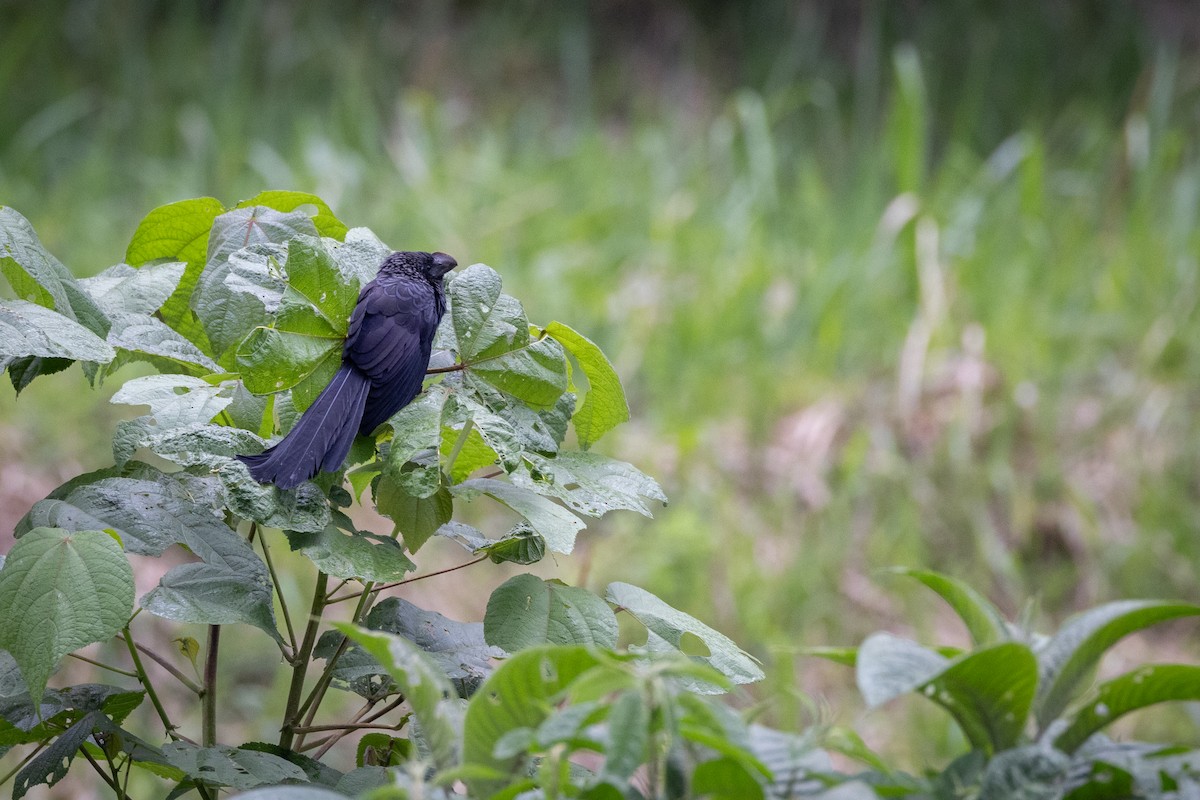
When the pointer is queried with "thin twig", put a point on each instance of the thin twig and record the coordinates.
(41, 746)
(287, 618)
(411, 580)
(162, 662)
(208, 703)
(116, 787)
(359, 726)
(291, 713)
(117, 670)
(144, 678)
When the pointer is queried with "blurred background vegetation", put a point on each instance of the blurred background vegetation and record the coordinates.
(894, 282)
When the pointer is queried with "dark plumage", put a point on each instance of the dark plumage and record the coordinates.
(383, 365)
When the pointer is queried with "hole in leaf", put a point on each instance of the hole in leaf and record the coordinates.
(693, 645)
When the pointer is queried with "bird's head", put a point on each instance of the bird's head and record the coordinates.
(432, 266)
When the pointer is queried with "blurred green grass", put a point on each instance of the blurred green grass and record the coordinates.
(887, 284)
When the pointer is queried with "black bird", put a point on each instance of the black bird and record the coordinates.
(383, 364)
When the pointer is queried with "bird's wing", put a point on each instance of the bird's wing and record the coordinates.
(389, 339)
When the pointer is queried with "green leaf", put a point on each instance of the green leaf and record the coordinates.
(519, 694)
(361, 555)
(526, 611)
(726, 778)
(381, 750)
(535, 373)
(492, 438)
(231, 766)
(423, 683)
(211, 594)
(176, 232)
(984, 621)
(521, 545)
(671, 625)
(38, 277)
(416, 429)
(889, 666)
(1071, 653)
(28, 329)
(149, 337)
(61, 591)
(628, 736)
(275, 359)
(326, 222)
(121, 289)
(50, 766)
(553, 522)
(457, 647)
(314, 281)
(238, 294)
(177, 400)
(291, 793)
(483, 325)
(1144, 686)
(1033, 772)
(417, 518)
(604, 407)
(589, 483)
(989, 692)
(303, 509)
(199, 444)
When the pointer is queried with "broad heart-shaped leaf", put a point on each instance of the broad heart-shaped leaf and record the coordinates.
(178, 232)
(326, 223)
(416, 429)
(540, 430)
(313, 279)
(231, 766)
(535, 373)
(417, 518)
(483, 323)
(38, 277)
(177, 400)
(519, 694)
(237, 294)
(984, 621)
(150, 338)
(121, 289)
(989, 692)
(458, 648)
(604, 407)
(299, 348)
(1070, 654)
(490, 439)
(888, 666)
(671, 624)
(589, 483)
(28, 329)
(526, 611)
(423, 683)
(360, 555)
(61, 591)
(1144, 686)
(555, 524)
(303, 509)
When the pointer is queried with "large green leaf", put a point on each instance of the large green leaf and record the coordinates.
(589, 483)
(231, 766)
(301, 509)
(176, 232)
(423, 683)
(984, 621)
(150, 338)
(1033, 772)
(555, 524)
(671, 624)
(177, 400)
(519, 694)
(417, 518)
(483, 325)
(28, 329)
(535, 373)
(314, 280)
(1070, 654)
(362, 555)
(416, 429)
(121, 289)
(61, 591)
(989, 692)
(526, 611)
(38, 277)
(1144, 686)
(237, 295)
(604, 407)
(326, 223)
(888, 666)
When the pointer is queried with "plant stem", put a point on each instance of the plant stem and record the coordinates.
(162, 662)
(116, 787)
(348, 727)
(208, 707)
(291, 712)
(287, 618)
(117, 670)
(41, 746)
(144, 679)
(329, 741)
(318, 693)
(378, 589)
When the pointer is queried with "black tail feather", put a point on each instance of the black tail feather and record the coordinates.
(320, 439)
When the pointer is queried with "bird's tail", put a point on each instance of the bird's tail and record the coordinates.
(320, 439)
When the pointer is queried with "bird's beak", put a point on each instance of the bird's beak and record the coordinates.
(442, 264)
